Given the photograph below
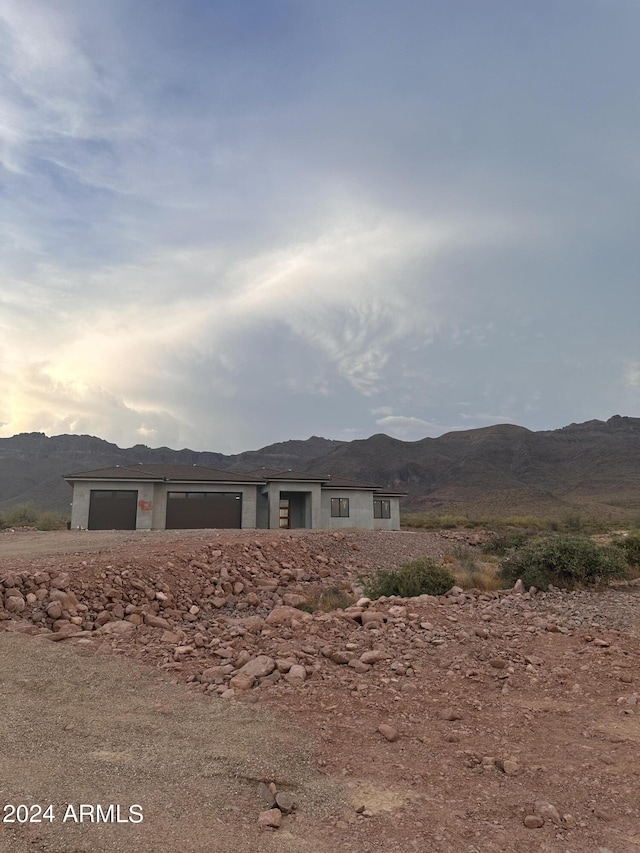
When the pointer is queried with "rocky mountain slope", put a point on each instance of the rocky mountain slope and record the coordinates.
(592, 467)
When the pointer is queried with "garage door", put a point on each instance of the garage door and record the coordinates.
(111, 509)
(188, 510)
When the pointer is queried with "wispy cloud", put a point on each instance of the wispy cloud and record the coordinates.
(225, 225)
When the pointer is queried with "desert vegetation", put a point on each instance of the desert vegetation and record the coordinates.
(27, 515)
(416, 577)
(570, 522)
(567, 562)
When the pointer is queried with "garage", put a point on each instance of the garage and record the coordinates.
(191, 510)
(112, 509)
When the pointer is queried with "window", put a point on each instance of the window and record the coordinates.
(339, 507)
(381, 508)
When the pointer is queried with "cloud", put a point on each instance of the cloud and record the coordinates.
(632, 374)
(483, 417)
(242, 225)
(409, 428)
(340, 294)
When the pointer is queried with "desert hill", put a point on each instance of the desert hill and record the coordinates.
(593, 467)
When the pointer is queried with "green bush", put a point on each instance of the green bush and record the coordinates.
(50, 520)
(564, 561)
(418, 577)
(629, 546)
(26, 515)
(502, 543)
(21, 515)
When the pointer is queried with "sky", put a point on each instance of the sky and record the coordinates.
(226, 223)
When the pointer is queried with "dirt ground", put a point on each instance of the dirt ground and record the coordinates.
(505, 711)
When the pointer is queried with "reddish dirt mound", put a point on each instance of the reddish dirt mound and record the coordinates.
(470, 722)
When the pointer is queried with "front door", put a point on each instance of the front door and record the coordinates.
(285, 512)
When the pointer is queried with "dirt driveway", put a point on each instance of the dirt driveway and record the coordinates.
(78, 728)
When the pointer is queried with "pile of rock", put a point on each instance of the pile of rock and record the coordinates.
(229, 620)
(278, 803)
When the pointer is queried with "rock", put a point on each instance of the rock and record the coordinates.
(603, 814)
(169, 637)
(546, 810)
(266, 795)
(15, 604)
(61, 581)
(215, 673)
(533, 821)
(270, 819)
(285, 802)
(510, 767)
(372, 617)
(497, 663)
(67, 599)
(242, 681)
(450, 715)
(291, 599)
(62, 626)
(285, 616)
(296, 673)
(259, 667)
(359, 666)
(339, 657)
(103, 617)
(54, 610)
(156, 621)
(373, 656)
(388, 732)
(119, 628)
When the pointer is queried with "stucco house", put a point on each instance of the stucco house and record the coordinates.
(155, 496)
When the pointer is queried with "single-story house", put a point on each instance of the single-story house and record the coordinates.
(155, 496)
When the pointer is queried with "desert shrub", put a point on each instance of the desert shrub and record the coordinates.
(21, 515)
(629, 546)
(428, 521)
(501, 543)
(26, 515)
(417, 577)
(482, 576)
(330, 599)
(50, 520)
(574, 522)
(564, 561)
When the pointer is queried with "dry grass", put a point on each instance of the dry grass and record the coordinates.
(471, 572)
(482, 575)
(327, 600)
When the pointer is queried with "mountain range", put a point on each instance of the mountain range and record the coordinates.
(592, 467)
